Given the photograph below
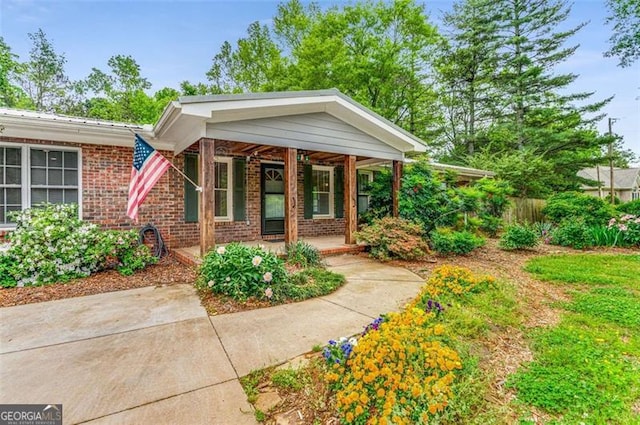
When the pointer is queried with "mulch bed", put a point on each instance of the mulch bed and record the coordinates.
(168, 271)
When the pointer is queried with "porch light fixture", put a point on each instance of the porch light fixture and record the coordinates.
(303, 157)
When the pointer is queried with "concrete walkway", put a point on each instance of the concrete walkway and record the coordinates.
(152, 355)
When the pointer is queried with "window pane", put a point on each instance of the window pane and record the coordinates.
(38, 157)
(221, 175)
(13, 175)
(70, 178)
(321, 181)
(363, 203)
(70, 196)
(220, 203)
(70, 159)
(363, 182)
(38, 196)
(13, 196)
(38, 176)
(55, 177)
(273, 206)
(55, 196)
(273, 180)
(12, 156)
(321, 203)
(55, 159)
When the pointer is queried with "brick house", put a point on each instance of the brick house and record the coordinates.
(271, 165)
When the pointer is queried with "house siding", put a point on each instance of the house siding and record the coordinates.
(105, 185)
(314, 132)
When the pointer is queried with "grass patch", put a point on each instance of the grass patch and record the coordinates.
(250, 383)
(312, 282)
(587, 269)
(287, 379)
(582, 372)
(614, 305)
(587, 368)
(471, 320)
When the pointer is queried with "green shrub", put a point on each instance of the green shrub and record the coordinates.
(591, 210)
(493, 203)
(572, 233)
(519, 236)
(302, 254)
(631, 207)
(629, 227)
(51, 244)
(241, 271)
(606, 236)
(394, 238)
(7, 264)
(446, 242)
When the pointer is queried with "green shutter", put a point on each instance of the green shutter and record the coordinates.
(239, 190)
(308, 191)
(338, 191)
(190, 193)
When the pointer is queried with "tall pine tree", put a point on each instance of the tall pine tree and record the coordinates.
(466, 69)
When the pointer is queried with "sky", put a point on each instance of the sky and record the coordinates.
(175, 40)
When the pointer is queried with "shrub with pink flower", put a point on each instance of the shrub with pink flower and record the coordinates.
(628, 226)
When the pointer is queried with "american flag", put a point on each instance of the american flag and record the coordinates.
(148, 167)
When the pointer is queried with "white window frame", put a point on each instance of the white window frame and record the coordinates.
(25, 165)
(330, 169)
(229, 189)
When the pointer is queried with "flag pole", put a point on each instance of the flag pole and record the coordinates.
(198, 188)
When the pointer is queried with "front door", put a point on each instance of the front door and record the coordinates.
(272, 182)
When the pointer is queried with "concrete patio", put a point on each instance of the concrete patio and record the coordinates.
(152, 355)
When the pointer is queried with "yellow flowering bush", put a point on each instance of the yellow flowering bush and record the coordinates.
(401, 373)
(401, 370)
(453, 280)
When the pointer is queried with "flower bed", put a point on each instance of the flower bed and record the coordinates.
(402, 368)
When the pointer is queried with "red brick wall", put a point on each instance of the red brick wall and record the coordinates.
(105, 185)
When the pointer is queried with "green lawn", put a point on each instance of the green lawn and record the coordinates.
(588, 269)
(587, 368)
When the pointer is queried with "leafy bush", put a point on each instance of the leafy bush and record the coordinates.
(241, 271)
(51, 244)
(302, 254)
(606, 236)
(493, 203)
(591, 210)
(446, 242)
(7, 264)
(519, 236)
(380, 201)
(543, 230)
(394, 238)
(628, 227)
(572, 233)
(631, 207)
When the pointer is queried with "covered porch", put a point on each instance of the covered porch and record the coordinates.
(327, 245)
(279, 165)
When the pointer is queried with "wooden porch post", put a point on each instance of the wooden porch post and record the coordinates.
(207, 196)
(291, 195)
(350, 198)
(395, 186)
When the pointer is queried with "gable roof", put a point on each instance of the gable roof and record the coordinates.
(623, 178)
(186, 120)
(192, 111)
